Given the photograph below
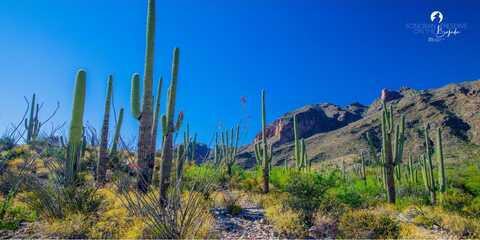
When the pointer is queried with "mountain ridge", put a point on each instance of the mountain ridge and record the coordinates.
(332, 132)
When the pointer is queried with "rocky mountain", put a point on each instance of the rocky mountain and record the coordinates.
(333, 132)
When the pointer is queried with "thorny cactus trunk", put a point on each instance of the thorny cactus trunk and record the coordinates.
(168, 130)
(103, 158)
(263, 152)
(72, 161)
(145, 159)
(392, 149)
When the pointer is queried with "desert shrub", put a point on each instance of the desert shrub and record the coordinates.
(346, 195)
(6, 143)
(280, 177)
(286, 221)
(306, 191)
(53, 200)
(364, 224)
(12, 215)
(184, 215)
(468, 179)
(113, 220)
(460, 226)
(73, 226)
(473, 209)
(229, 201)
(455, 199)
(200, 175)
(427, 217)
(324, 227)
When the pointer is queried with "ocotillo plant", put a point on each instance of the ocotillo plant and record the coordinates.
(116, 136)
(392, 148)
(103, 157)
(441, 165)
(227, 150)
(300, 152)
(169, 129)
(72, 161)
(263, 151)
(427, 170)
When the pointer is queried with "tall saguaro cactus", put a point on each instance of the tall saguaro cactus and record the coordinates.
(428, 179)
(145, 115)
(72, 161)
(263, 151)
(103, 157)
(169, 129)
(441, 165)
(392, 148)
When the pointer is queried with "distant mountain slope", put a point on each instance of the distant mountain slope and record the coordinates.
(333, 132)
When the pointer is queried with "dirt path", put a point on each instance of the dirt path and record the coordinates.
(250, 223)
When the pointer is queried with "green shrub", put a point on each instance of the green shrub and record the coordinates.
(455, 199)
(199, 175)
(363, 224)
(473, 209)
(306, 191)
(14, 215)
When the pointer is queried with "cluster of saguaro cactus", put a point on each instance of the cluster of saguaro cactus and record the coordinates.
(263, 151)
(392, 148)
(225, 151)
(427, 166)
(72, 161)
(412, 172)
(300, 151)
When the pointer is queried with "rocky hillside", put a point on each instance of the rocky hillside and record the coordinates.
(333, 132)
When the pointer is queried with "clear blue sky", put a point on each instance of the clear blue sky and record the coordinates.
(300, 51)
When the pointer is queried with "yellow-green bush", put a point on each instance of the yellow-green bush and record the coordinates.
(286, 221)
(73, 226)
(113, 219)
(366, 224)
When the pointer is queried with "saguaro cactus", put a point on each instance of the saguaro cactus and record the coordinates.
(263, 151)
(441, 165)
(392, 148)
(32, 124)
(227, 150)
(116, 136)
(427, 170)
(146, 149)
(300, 152)
(169, 129)
(103, 157)
(72, 161)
